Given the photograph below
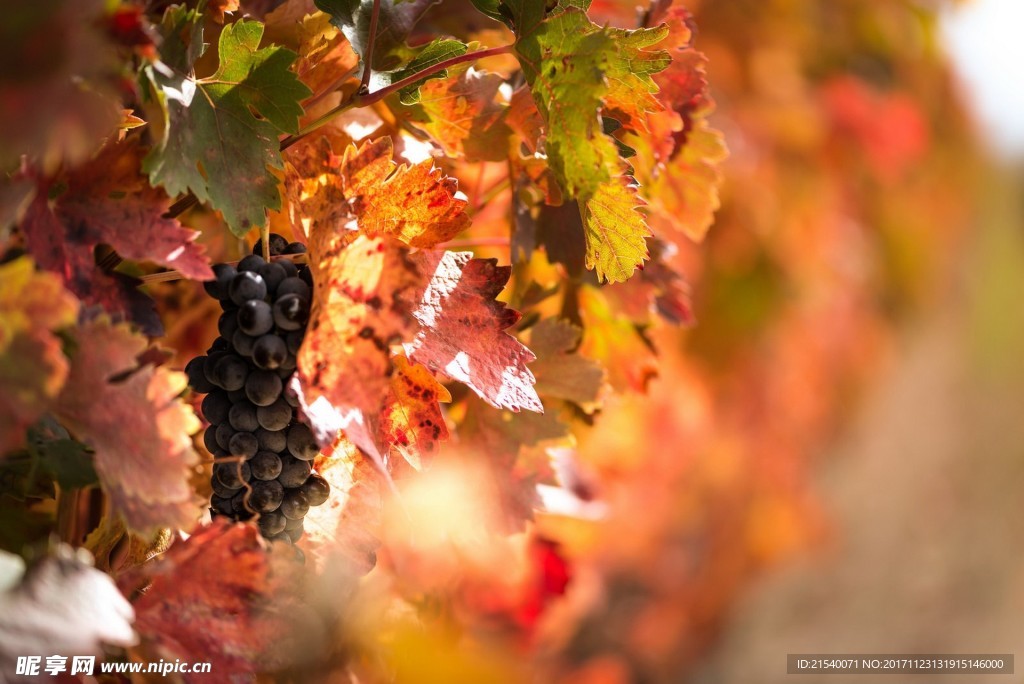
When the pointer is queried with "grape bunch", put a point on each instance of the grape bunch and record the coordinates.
(264, 456)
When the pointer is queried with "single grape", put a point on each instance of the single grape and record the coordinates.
(290, 397)
(211, 360)
(301, 442)
(243, 343)
(306, 275)
(245, 286)
(255, 317)
(215, 407)
(263, 387)
(243, 444)
(222, 506)
(221, 489)
(272, 440)
(294, 472)
(295, 248)
(295, 534)
(269, 351)
(210, 439)
(232, 474)
(291, 312)
(290, 269)
(290, 362)
(295, 505)
(222, 275)
(265, 465)
(276, 416)
(293, 286)
(242, 416)
(293, 340)
(272, 523)
(230, 372)
(251, 263)
(218, 345)
(316, 489)
(266, 496)
(284, 374)
(277, 245)
(240, 507)
(195, 370)
(227, 325)
(224, 434)
(272, 274)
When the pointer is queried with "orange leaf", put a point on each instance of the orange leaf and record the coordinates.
(136, 424)
(33, 367)
(411, 421)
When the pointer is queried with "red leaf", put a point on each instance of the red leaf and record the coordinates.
(463, 334)
(411, 422)
(217, 597)
(106, 201)
(137, 425)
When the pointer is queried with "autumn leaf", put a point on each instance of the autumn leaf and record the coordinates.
(411, 421)
(143, 452)
(415, 204)
(57, 91)
(33, 367)
(324, 54)
(395, 21)
(219, 597)
(561, 372)
(364, 293)
(616, 342)
(462, 114)
(434, 52)
(576, 69)
(60, 604)
(221, 132)
(463, 330)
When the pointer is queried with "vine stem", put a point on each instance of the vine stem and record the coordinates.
(364, 82)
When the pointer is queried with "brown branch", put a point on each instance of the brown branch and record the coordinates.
(364, 82)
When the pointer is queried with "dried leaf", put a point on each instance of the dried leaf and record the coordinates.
(562, 373)
(143, 452)
(411, 421)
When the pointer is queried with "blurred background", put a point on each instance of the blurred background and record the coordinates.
(844, 449)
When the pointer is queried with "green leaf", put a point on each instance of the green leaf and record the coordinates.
(577, 71)
(435, 52)
(215, 144)
(395, 22)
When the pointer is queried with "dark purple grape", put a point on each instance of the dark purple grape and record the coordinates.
(232, 474)
(284, 374)
(230, 372)
(293, 340)
(239, 505)
(227, 325)
(243, 343)
(263, 387)
(222, 275)
(242, 416)
(255, 317)
(295, 505)
(295, 248)
(215, 407)
(290, 269)
(293, 524)
(316, 489)
(294, 472)
(265, 465)
(277, 245)
(272, 440)
(210, 439)
(290, 362)
(237, 395)
(276, 416)
(218, 345)
(224, 434)
(294, 286)
(306, 275)
(211, 360)
(222, 506)
(295, 534)
(269, 351)
(245, 286)
(271, 524)
(272, 274)
(219, 488)
(243, 444)
(252, 263)
(195, 369)
(266, 495)
(290, 397)
(301, 443)
(291, 312)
